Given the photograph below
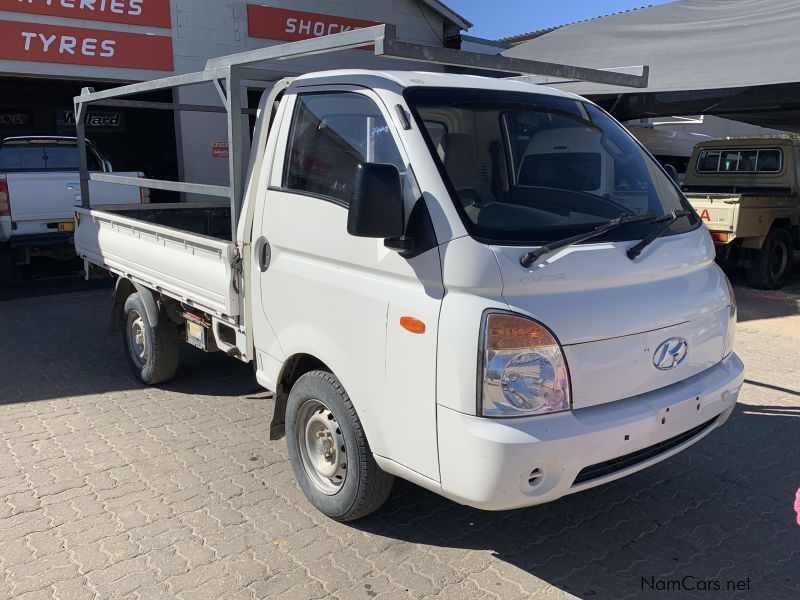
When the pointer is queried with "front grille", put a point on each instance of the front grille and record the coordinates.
(634, 458)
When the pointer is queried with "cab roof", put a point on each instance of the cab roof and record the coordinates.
(39, 139)
(406, 79)
(757, 141)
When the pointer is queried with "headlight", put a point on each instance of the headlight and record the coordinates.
(729, 338)
(523, 371)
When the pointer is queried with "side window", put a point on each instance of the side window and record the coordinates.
(331, 134)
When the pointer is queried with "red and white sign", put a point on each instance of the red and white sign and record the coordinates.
(220, 150)
(291, 25)
(135, 12)
(34, 42)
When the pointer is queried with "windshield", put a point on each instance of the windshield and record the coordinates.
(531, 168)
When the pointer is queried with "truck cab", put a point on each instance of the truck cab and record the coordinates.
(480, 285)
(747, 192)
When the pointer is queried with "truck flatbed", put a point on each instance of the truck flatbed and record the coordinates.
(187, 264)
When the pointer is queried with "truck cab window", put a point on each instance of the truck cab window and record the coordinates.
(22, 158)
(63, 158)
(41, 157)
(331, 134)
(740, 161)
(66, 158)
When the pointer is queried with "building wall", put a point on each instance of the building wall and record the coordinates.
(203, 29)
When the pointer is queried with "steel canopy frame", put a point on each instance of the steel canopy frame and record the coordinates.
(227, 73)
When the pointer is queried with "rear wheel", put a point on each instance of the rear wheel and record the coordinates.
(773, 263)
(330, 456)
(153, 353)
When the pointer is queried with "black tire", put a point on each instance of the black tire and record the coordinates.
(6, 266)
(365, 486)
(160, 345)
(774, 261)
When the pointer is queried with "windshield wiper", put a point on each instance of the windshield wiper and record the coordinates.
(529, 258)
(668, 220)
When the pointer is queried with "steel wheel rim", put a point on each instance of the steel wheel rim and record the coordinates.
(778, 260)
(322, 447)
(137, 340)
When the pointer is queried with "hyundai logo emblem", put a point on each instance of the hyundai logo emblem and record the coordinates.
(670, 353)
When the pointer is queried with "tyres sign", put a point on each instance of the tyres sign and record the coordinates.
(36, 42)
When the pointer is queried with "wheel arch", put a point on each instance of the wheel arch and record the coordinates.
(786, 223)
(293, 368)
(124, 288)
(782, 222)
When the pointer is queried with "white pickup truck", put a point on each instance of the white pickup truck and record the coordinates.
(39, 188)
(480, 285)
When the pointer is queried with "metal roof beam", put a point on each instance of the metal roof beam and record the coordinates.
(391, 48)
(346, 40)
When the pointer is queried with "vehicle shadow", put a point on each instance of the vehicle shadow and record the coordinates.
(720, 511)
(57, 346)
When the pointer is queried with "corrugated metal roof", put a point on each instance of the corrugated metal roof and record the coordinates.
(688, 44)
(524, 37)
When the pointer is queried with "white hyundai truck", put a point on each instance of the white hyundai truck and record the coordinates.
(39, 188)
(483, 286)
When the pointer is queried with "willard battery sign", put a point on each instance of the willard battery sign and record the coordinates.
(38, 42)
(100, 120)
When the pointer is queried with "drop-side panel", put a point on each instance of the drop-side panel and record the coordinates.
(195, 269)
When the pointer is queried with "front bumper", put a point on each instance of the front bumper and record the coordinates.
(499, 464)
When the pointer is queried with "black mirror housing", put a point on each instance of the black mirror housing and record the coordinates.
(376, 207)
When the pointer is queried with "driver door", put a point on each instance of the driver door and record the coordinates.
(338, 297)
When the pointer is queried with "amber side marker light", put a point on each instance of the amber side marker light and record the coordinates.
(722, 237)
(411, 324)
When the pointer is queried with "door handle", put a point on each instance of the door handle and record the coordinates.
(263, 254)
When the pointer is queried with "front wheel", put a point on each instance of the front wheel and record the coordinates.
(153, 352)
(773, 263)
(330, 456)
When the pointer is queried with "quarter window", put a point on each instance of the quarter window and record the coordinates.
(331, 134)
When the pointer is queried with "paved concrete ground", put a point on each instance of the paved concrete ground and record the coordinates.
(109, 489)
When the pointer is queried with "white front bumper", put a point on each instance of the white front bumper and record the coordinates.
(487, 463)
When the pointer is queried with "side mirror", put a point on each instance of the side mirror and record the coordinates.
(376, 207)
(672, 172)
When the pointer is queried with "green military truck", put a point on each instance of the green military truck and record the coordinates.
(747, 191)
